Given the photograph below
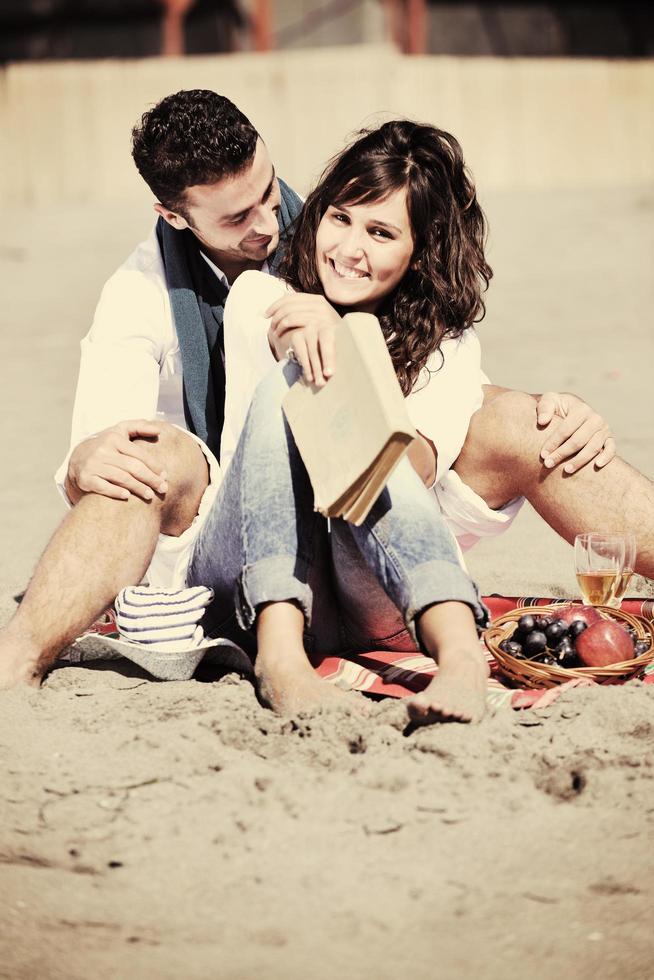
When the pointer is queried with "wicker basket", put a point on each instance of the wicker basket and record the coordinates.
(530, 673)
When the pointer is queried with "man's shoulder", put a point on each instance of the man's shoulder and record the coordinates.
(134, 300)
(145, 259)
(140, 276)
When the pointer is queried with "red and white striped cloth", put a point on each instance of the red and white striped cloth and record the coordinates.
(399, 674)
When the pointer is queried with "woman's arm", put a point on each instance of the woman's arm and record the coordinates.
(248, 356)
(422, 456)
(443, 402)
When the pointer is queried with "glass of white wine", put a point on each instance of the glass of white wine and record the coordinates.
(600, 564)
(627, 571)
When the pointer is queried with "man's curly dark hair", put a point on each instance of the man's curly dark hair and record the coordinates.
(440, 295)
(192, 137)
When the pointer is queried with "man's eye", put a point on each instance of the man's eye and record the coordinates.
(239, 220)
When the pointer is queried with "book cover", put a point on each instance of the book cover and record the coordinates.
(352, 432)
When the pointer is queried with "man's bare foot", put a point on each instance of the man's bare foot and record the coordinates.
(457, 692)
(17, 666)
(289, 684)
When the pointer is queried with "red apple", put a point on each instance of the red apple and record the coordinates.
(604, 643)
(588, 614)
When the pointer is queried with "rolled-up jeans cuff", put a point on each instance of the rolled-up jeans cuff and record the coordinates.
(441, 581)
(272, 579)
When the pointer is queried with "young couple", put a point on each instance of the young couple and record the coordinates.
(393, 228)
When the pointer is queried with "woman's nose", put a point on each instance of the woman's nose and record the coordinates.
(352, 244)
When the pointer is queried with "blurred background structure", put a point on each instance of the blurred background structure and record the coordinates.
(48, 29)
(514, 82)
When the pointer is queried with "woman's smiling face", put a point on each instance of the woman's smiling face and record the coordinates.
(363, 251)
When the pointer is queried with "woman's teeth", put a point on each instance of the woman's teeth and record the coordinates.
(346, 272)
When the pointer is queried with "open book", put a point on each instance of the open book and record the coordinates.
(353, 432)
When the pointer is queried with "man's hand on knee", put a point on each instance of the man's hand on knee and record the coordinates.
(114, 465)
(575, 432)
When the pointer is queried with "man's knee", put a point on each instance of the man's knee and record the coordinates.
(504, 430)
(501, 444)
(178, 454)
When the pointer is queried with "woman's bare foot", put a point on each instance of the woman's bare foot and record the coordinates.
(288, 684)
(286, 681)
(457, 692)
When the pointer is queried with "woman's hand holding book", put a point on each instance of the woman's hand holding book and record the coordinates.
(305, 324)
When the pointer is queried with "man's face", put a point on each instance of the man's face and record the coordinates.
(235, 219)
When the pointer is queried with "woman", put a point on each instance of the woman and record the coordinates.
(392, 228)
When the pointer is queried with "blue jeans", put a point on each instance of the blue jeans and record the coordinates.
(360, 588)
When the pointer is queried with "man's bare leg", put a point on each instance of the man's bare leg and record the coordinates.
(101, 546)
(286, 681)
(500, 461)
(458, 691)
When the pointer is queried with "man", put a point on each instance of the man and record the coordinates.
(154, 356)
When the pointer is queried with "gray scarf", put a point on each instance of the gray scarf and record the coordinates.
(197, 299)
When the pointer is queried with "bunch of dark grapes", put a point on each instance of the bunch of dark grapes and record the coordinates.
(549, 640)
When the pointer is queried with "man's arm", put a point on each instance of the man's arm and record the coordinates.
(118, 380)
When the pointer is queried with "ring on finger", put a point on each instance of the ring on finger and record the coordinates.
(290, 354)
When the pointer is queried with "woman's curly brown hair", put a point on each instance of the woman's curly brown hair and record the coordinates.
(441, 293)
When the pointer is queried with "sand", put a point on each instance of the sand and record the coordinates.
(172, 830)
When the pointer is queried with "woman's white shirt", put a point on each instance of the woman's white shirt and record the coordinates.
(440, 406)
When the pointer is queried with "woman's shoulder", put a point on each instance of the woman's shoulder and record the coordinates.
(465, 346)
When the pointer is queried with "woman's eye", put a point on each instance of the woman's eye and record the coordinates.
(381, 233)
(341, 218)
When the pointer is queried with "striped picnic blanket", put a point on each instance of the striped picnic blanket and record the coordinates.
(395, 674)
